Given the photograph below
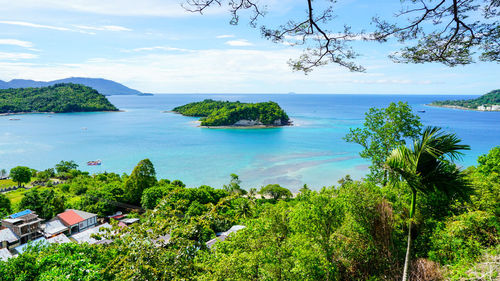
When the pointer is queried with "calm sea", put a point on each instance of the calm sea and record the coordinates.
(312, 151)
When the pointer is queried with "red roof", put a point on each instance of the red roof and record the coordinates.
(70, 218)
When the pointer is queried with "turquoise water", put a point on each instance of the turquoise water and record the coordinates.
(311, 152)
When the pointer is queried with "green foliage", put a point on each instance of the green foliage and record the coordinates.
(383, 130)
(58, 98)
(275, 191)
(57, 263)
(5, 207)
(44, 202)
(225, 113)
(234, 186)
(21, 174)
(464, 237)
(102, 200)
(66, 166)
(142, 177)
(491, 98)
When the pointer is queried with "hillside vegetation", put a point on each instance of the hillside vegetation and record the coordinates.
(59, 98)
(225, 113)
(491, 98)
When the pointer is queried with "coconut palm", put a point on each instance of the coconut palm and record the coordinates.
(427, 167)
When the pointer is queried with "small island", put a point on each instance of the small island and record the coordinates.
(236, 114)
(59, 98)
(487, 102)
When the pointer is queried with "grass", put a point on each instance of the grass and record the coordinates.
(6, 183)
(15, 196)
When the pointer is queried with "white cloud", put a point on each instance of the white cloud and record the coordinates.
(104, 28)
(225, 36)
(34, 25)
(239, 43)
(16, 56)
(15, 42)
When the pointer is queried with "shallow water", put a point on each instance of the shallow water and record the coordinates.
(312, 151)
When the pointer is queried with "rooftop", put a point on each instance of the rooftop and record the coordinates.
(54, 227)
(8, 235)
(40, 241)
(5, 255)
(20, 214)
(59, 239)
(85, 236)
(72, 217)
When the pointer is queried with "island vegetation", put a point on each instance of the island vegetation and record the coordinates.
(226, 113)
(429, 217)
(487, 102)
(59, 98)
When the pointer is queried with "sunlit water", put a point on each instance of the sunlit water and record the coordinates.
(312, 151)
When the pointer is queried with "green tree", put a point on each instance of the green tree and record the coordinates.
(234, 186)
(426, 167)
(5, 206)
(20, 174)
(44, 202)
(3, 173)
(383, 130)
(275, 191)
(142, 177)
(66, 166)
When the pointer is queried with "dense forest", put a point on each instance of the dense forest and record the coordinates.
(58, 98)
(351, 230)
(491, 98)
(225, 113)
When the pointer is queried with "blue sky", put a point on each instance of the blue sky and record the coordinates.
(156, 46)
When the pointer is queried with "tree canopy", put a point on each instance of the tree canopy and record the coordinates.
(491, 98)
(446, 31)
(383, 130)
(21, 174)
(58, 98)
(225, 113)
(142, 177)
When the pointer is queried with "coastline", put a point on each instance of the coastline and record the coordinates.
(460, 108)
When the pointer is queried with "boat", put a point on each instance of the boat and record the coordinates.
(421, 111)
(94, 163)
(14, 119)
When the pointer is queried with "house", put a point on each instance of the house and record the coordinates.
(8, 239)
(53, 228)
(77, 220)
(86, 236)
(24, 224)
(224, 235)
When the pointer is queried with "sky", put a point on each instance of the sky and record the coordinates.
(156, 46)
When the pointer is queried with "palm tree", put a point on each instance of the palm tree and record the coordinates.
(427, 167)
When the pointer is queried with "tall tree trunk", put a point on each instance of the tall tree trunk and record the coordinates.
(408, 248)
(407, 257)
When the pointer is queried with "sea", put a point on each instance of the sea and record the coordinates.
(311, 152)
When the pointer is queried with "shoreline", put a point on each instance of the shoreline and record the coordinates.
(461, 108)
(243, 127)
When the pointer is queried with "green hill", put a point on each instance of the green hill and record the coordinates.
(58, 98)
(225, 113)
(489, 99)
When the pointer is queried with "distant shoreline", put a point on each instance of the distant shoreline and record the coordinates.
(461, 108)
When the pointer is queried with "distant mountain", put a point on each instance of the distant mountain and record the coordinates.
(103, 86)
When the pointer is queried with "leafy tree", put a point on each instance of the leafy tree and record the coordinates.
(275, 191)
(425, 168)
(3, 173)
(20, 174)
(103, 200)
(152, 196)
(447, 31)
(66, 166)
(234, 186)
(383, 130)
(44, 202)
(142, 177)
(5, 206)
